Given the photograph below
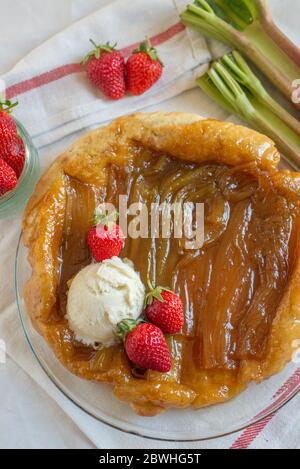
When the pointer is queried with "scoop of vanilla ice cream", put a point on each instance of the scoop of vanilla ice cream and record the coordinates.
(100, 296)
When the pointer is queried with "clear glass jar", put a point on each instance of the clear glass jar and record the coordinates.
(14, 201)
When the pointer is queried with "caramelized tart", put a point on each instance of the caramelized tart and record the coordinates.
(241, 290)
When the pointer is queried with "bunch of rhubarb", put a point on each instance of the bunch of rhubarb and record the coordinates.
(247, 26)
(231, 82)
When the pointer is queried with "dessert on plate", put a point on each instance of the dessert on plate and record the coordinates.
(240, 290)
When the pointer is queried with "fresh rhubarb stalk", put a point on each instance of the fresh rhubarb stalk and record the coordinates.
(246, 25)
(275, 33)
(245, 76)
(231, 83)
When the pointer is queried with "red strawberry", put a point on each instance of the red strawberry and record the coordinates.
(8, 134)
(105, 239)
(16, 156)
(105, 69)
(145, 345)
(143, 69)
(8, 178)
(165, 309)
(7, 120)
(5, 117)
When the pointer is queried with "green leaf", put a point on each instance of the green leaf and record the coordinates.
(154, 293)
(244, 10)
(98, 48)
(219, 11)
(126, 326)
(105, 218)
(147, 48)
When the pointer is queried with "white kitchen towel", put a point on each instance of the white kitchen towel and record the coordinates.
(51, 85)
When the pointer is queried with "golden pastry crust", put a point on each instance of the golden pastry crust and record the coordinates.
(184, 136)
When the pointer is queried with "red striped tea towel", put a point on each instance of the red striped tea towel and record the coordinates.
(55, 96)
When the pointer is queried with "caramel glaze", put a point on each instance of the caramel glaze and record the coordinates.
(230, 288)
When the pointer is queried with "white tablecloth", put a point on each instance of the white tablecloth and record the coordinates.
(29, 416)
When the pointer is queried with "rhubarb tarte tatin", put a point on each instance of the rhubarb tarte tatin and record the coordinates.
(241, 290)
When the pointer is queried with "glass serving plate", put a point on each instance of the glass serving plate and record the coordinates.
(255, 404)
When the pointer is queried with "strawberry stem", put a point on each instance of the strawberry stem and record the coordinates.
(98, 48)
(93, 43)
(147, 47)
(155, 292)
(150, 286)
(126, 326)
(148, 43)
(105, 219)
(7, 105)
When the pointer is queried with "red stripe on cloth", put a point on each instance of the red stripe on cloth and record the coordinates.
(249, 435)
(158, 39)
(69, 69)
(43, 79)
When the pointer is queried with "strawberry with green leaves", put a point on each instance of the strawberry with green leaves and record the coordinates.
(8, 129)
(143, 69)
(12, 148)
(105, 238)
(5, 116)
(106, 70)
(165, 309)
(145, 345)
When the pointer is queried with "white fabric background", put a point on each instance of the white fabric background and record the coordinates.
(29, 416)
